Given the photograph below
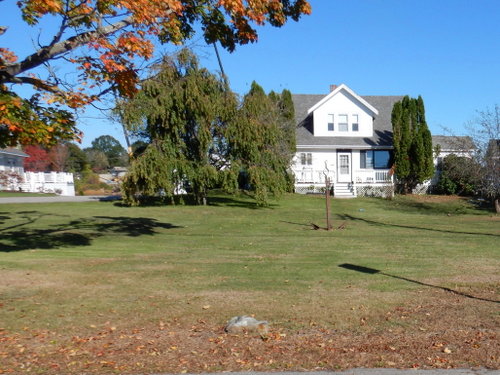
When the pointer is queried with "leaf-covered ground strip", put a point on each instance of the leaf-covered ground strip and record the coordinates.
(101, 288)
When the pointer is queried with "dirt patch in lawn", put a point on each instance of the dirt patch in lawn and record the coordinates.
(435, 329)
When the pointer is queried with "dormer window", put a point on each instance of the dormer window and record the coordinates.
(331, 126)
(343, 124)
(355, 123)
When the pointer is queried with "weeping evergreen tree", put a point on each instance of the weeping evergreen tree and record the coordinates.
(201, 137)
(261, 142)
(185, 110)
(413, 156)
(287, 127)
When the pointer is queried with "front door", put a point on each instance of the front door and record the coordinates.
(344, 166)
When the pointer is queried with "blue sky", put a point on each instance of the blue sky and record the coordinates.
(448, 51)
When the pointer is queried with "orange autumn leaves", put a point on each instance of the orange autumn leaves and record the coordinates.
(109, 55)
(27, 122)
(108, 41)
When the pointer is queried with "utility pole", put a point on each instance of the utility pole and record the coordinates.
(224, 77)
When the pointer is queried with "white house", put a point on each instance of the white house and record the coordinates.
(11, 161)
(347, 138)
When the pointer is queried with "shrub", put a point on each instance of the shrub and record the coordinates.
(459, 175)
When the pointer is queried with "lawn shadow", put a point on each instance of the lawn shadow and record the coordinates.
(29, 218)
(460, 206)
(78, 232)
(309, 226)
(227, 201)
(188, 200)
(379, 223)
(373, 271)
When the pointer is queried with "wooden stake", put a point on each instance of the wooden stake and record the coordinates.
(327, 198)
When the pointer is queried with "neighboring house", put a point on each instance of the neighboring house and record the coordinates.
(348, 138)
(446, 145)
(461, 146)
(11, 160)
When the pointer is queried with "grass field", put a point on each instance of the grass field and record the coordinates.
(97, 287)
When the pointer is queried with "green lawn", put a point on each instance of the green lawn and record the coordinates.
(68, 267)
(101, 288)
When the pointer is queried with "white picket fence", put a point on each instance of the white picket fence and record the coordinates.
(60, 183)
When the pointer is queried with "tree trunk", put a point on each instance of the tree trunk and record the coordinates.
(497, 205)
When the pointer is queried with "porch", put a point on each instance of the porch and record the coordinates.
(378, 183)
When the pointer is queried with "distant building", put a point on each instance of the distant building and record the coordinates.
(11, 159)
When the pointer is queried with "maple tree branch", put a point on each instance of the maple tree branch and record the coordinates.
(34, 82)
(54, 50)
(60, 32)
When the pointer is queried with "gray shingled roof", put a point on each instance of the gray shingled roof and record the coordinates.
(382, 124)
(453, 143)
(13, 151)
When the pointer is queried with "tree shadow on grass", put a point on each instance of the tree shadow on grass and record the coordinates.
(235, 202)
(78, 232)
(460, 206)
(373, 271)
(373, 222)
(243, 201)
(308, 226)
(29, 217)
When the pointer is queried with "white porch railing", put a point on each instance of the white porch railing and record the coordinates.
(39, 182)
(311, 176)
(360, 176)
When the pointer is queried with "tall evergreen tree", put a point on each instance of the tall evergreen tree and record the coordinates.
(259, 140)
(77, 159)
(287, 126)
(412, 139)
(184, 109)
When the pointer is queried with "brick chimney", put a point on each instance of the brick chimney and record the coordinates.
(333, 87)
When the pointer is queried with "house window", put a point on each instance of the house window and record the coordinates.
(376, 159)
(355, 123)
(330, 123)
(306, 158)
(382, 159)
(366, 159)
(343, 124)
(11, 163)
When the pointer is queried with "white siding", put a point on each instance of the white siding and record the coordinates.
(343, 104)
(314, 172)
